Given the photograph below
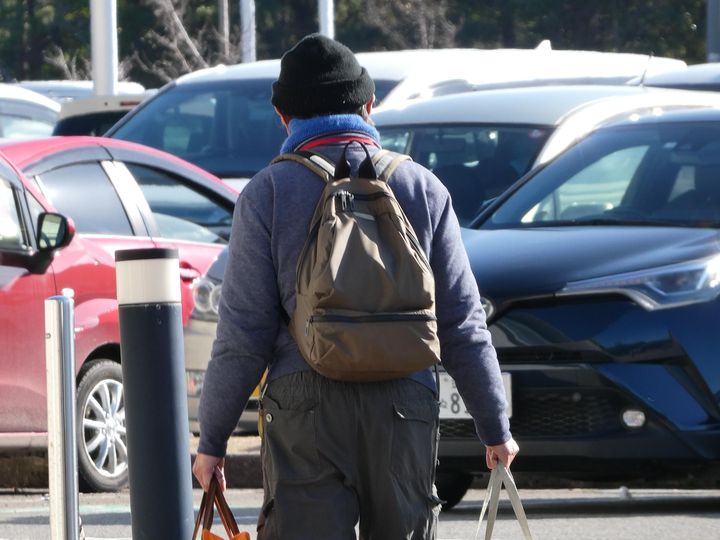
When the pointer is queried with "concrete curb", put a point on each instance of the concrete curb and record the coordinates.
(242, 466)
(31, 471)
(24, 471)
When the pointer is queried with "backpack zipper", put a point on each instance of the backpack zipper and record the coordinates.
(378, 317)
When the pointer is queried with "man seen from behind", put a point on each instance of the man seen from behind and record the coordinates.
(337, 453)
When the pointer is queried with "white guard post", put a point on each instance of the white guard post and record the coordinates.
(62, 456)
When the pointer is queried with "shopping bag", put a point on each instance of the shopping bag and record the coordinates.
(211, 499)
(499, 476)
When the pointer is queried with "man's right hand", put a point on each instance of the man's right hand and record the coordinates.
(205, 466)
(505, 453)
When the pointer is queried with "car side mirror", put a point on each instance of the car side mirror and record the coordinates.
(55, 231)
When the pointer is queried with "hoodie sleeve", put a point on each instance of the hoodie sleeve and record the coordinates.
(466, 349)
(249, 318)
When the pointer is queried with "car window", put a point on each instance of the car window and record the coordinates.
(475, 162)
(24, 120)
(181, 211)
(11, 232)
(88, 124)
(229, 129)
(35, 209)
(382, 89)
(84, 193)
(638, 174)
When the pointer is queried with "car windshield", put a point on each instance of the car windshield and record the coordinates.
(475, 162)
(659, 174)
(228, 128)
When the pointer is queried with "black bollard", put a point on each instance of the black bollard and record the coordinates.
(156, 415)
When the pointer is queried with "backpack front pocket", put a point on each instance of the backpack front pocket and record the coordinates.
(372, 346)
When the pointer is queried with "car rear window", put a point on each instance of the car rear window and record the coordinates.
(88, 124)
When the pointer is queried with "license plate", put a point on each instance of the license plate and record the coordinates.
(451, 404)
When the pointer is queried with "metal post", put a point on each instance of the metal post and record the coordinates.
(713, 30)
(224, 28)
(326, 14)
(156, 414)
(247, 30)
(62, 455)
(103, 42)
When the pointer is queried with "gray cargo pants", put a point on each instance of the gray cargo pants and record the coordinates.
(336, 453)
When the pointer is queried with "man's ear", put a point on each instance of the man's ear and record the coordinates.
(369, 105)
(284, 118)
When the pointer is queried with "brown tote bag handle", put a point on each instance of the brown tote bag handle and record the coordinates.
(205, 513)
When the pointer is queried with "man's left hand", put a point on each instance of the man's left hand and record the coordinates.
(505, 453)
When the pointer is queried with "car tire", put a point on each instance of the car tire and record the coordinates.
(452, 487)
(100, 428)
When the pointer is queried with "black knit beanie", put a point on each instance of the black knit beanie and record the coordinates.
(320, 76)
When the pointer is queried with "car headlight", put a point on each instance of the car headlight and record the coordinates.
(658, 288)
(206, 294)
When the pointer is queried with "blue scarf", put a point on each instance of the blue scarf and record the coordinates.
(304, 129)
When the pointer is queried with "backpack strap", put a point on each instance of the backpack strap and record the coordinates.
(386, 162)
(317, 163)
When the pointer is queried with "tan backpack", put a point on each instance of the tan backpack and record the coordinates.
(365, 291)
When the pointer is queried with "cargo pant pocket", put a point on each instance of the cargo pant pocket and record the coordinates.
(290, 452)
(414, 429)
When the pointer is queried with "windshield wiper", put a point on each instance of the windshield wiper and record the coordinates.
(615, 221)
(610, 221)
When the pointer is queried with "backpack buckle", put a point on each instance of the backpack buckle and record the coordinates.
(347, 200)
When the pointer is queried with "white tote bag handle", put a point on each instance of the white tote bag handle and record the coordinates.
(499, 476)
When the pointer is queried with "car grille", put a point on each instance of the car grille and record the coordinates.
(553, 414)
(457, 429)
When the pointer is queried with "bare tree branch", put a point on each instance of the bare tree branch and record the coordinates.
(411, 24)
(179, 53)
(73, 68)
(186, 37)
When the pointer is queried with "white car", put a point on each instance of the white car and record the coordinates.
(67, 90)
(479, 143)
(221, 118)
(505, 68)
(695, 77)
(26, 114)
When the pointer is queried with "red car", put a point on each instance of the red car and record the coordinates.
(119, 195)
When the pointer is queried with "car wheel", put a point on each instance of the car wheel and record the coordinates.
(451, 487)
(100, 428)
